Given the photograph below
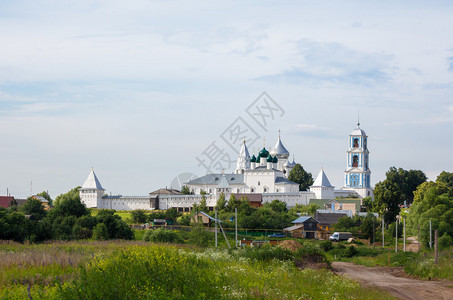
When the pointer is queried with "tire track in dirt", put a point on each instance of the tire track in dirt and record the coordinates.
(401, 287)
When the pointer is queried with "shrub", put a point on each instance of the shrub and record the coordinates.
(310, 252)
(351, 251)
(198, 235)
(326, 245)
(162, 235)
(445, 241)
(100, 232)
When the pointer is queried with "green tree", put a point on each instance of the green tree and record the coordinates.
(368, 203)
(221, 202)
(139, 216)
(432, 201)
(300, 176)
(116, 227)
(100, 232)
(233, 203)
(407, 182)
(185, 190)
(387, 198)
(304, 209)
(172, 214)
(202, 206)
(277, 206)
(34, 208)
(446, 178)
(69, 204)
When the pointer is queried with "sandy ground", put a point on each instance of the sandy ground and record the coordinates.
(393, 281)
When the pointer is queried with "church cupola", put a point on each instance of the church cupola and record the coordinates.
(280, 152)
(263, 154)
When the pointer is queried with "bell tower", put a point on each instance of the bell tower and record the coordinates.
(357, 174)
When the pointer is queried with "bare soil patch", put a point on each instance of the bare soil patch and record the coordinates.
(395, 282)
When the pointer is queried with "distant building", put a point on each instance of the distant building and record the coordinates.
(262, 178)
(7, 201)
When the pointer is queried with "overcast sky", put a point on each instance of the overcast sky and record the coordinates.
(144, 90)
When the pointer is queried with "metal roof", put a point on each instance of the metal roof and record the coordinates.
(92, 182)
(223, 184)
(322, 180)
(302, 220)
(280, 150)
(215, 179)
(283, 180)
(358, 131)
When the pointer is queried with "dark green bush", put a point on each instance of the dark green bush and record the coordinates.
(162, 235)
(326, 245)
(351, 251)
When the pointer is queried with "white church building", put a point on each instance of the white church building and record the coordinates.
(264, 177)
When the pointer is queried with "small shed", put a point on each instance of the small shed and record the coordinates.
(304, 227)
(203, 218)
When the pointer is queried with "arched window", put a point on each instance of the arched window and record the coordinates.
(356, 143)
(258, 183)
(355, 161)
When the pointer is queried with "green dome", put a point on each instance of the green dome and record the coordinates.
(275, 159)
(253, 159)
(264, 153)
(270, 159)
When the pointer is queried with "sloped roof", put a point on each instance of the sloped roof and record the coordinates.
(92, 182)
(283, 180)
(291, 228)
(322, 180)
(166, 192)
(215, 179)
(328, 218)
(223, 183)
(303, 220)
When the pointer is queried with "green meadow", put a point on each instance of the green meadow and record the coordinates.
(142, 270)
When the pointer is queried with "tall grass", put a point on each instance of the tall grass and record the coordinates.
(164, 272)
(139, 270)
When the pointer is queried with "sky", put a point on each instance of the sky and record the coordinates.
(150, 93)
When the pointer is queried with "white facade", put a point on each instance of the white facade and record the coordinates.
(266, 174)
(357, 175)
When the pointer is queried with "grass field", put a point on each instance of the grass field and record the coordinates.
(139, 270)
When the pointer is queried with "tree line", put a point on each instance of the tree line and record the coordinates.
(68, 220)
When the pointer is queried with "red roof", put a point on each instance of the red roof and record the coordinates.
(6, 201)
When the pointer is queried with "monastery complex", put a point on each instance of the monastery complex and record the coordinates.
(261, 179)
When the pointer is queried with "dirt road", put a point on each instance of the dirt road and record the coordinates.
(401, 287)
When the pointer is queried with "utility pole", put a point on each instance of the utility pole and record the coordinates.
(374, 229)
(396, 235)
(383, 242)
(236, 224)
(436, 255)
(215, 210)
(404, 235)
(418, 237)
(430, 235)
